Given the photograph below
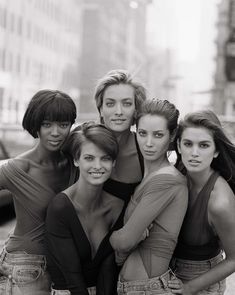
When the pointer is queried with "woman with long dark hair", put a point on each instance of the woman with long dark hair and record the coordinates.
(208, 158)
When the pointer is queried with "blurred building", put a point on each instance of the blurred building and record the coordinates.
(224, 90)
(39, 48)
(114, 36)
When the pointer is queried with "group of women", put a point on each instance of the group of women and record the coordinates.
(100, 210)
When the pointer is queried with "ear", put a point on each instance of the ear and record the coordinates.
(216, 154)
(178, 146)
(114, 163)
(76, 163)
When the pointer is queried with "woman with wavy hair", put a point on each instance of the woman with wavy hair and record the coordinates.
(208, 158)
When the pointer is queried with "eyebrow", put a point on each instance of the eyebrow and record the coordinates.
(126, 98)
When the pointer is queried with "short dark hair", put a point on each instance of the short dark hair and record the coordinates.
(98, 134)
(116, 77)
(52, 105)
(225, 162)
(162, 108)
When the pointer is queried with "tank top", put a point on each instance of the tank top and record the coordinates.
(197, 240)
(124, 190)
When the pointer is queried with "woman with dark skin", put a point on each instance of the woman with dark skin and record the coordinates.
(117, 97)
(81, 219)
(33, 178)
(208, 158)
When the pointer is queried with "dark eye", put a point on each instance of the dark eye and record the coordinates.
(204, 145)
(64, 125)
(127, 103)
(158, 135)
(107, 158)
(109, 104)
(187, 144)
(141, 133)
(88, 158)
(46, 124)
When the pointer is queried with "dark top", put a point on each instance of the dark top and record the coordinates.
(69, 256)
(124, 190)
(197, 240)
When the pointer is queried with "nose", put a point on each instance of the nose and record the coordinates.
(118, 110)
(194, 151)
(149, 141)
(97, 164)
(54, 130)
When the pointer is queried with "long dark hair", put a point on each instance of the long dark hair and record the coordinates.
(225, 162)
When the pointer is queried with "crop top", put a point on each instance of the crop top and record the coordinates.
(197, 240)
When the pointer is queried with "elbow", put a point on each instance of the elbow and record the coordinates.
(120, 242)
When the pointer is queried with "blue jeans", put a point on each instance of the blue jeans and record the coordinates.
(187, 270)
(151, 286)
(23, 274)
(91, 291)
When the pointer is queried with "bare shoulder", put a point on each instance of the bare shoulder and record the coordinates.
(222, 199)
(23, 161)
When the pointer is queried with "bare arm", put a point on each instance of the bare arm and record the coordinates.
(221, 215)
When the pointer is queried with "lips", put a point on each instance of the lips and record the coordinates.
(54, 142)
(194, 161)
(149, 152)
(96, 174)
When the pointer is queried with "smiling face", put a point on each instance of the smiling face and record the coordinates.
(52, 134)
(95, 164)
(197, 148)
(118, 107)
(153, 137)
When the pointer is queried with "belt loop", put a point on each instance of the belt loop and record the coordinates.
(164, 282)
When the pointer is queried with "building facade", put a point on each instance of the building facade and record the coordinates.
(224, 90)
(114, 36)
(39, 48)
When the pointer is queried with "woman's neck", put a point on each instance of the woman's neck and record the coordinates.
(151, 166)
(45, 157)
(123, 137)
(86, 197)
(199, 179)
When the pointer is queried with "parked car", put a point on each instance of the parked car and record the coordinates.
(5, 195)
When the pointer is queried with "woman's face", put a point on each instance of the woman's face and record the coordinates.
(118, 107)
(153, 137)
(52, 134)
(197, 148)
(95, 164)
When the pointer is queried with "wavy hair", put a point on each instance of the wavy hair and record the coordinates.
(225, 162)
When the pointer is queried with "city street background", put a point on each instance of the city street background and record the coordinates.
(183, 51)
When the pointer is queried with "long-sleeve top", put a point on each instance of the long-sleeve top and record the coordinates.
(69, 254)
(160, 200)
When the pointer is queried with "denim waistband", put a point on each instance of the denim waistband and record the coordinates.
(22, 258)
(155, 283)
(198, 263)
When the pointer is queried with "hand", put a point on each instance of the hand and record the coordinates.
(146, 232)
(178, 287)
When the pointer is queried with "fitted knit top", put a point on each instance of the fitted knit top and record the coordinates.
(160, 200)
(197, 240)
(31, 199)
